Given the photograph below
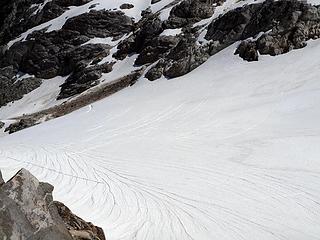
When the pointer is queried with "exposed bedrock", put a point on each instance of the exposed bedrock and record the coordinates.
(101, 24)
(172, 47)
(189, 12)
(28, 212)
(285, 25)
(12, 88)
(17, 16)
(172, 55)
(64, 52)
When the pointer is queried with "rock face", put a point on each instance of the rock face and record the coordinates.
(170, 48)
(77, 226)
(172, 56)
(27, 211)
(287, 25)
(101, 24)
(17, 16)
(12, 88)
(189, 12)
(63, 52)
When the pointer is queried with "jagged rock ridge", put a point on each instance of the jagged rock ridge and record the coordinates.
(27, 211)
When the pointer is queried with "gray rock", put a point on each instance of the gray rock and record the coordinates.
(101, 24)
(156, 71)
(20, 125)
(1, 179)
(157, 48)
(146, 31)
(77, 226)
(292, 23)
(16, 16)
(27, 205)
(52, 233)
(189, 12)
(12, 89)
(27, 212)
(13, 222)
(47, 55)
(248, 51)
(181, 59)
(126, 6)
(83, 79)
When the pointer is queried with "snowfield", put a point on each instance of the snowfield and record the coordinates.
(229, 151)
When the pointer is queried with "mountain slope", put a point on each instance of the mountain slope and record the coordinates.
(228, 151)
(54, 52)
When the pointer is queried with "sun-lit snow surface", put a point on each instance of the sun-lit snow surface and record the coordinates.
(39, 99)
(229, 151)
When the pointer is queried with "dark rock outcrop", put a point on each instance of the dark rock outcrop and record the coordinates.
(17, 16)
(77, 226)
(146, 30)
(28, 212)
(287, 25)
(248, 51)
(47, 55)
(12, 88)
(101, 24)
(83, 79)
(1, 179)
(182, 58)
(126, 6)
(189, 12)
(156, 49)
(177, 55)
(20, 125)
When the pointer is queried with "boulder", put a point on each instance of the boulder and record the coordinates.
(126, 6)
(27, 205)
(248, 51)
(28, 212)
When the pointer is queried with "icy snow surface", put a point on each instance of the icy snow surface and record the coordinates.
(229, 151)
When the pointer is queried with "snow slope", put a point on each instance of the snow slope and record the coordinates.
(44, 97)
(229, 151)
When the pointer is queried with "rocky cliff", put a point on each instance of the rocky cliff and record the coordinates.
(28, 212)
(200, 31)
